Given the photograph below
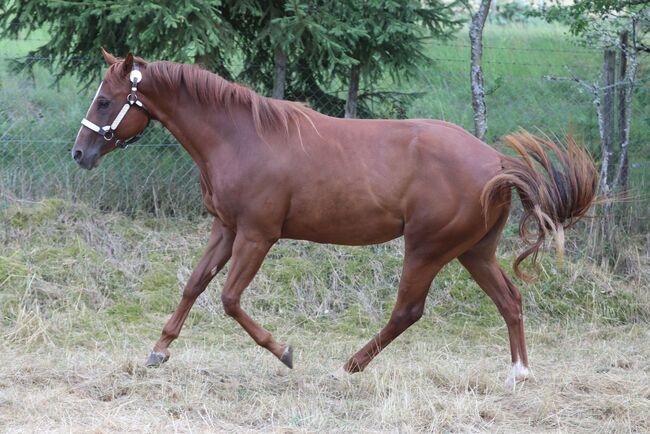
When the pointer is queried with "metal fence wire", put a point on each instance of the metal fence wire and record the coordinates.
(39, 120)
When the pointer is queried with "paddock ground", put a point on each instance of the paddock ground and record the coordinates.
(84, 294)
(433, 379)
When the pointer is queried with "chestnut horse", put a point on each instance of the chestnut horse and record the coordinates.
(272, 169)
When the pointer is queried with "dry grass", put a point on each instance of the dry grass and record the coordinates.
(83, 296)
(585, 379)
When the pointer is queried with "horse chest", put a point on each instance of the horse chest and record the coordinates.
(212, 203)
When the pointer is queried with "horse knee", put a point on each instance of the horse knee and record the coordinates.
(230, 304)
(191, 291)
(170, 332)
(415, 313)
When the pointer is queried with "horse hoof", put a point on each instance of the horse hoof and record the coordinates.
(352, 366)
(287, 357)
(156, 359)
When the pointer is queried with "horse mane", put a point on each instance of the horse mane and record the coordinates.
(207, 87)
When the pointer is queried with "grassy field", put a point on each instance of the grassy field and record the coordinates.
(84, 294)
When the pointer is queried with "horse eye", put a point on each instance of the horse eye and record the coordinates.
(102, 104)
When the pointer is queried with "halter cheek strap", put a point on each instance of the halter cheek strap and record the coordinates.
(108, 131)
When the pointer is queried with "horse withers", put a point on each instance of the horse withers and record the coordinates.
(272, 169)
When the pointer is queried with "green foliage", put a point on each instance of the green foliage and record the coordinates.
(386, 36)
(304, 31)
(126, 313)
(174, 30)
(321, 39)
(587, 16)
(512, 12)
(160, 289)
(389, 35)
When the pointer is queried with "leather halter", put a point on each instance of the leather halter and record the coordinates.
(108, 131)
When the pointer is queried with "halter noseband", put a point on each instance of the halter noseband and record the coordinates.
(108, 131)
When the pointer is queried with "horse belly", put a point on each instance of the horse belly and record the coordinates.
(343, 223)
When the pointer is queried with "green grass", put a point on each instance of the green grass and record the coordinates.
(62, 257)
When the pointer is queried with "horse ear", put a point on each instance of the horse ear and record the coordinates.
(108, 57)
(127, 65)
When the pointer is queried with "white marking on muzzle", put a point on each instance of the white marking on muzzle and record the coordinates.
(91, 105)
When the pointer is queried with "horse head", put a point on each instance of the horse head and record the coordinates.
(110, 123)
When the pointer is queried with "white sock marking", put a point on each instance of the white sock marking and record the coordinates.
(517, 372)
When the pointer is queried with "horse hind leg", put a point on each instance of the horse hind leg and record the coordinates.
(486, 271)
(519, 370)
(418, 272)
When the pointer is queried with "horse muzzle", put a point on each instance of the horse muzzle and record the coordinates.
(88, 160)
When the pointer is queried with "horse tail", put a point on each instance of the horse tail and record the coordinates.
(554, 194)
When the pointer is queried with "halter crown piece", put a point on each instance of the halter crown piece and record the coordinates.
(108, 131)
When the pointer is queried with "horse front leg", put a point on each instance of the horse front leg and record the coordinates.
(248, 254)
(215, 257)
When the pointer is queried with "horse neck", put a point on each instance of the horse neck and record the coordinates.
(202, 129)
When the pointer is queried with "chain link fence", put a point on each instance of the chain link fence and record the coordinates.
(39, 120)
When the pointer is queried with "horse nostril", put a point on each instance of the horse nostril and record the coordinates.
(77, 155)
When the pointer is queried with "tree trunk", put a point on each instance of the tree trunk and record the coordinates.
(476, 73)
(623, 135)
(608, 112)
(353, 92)
(202, 60)
(280, 73)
